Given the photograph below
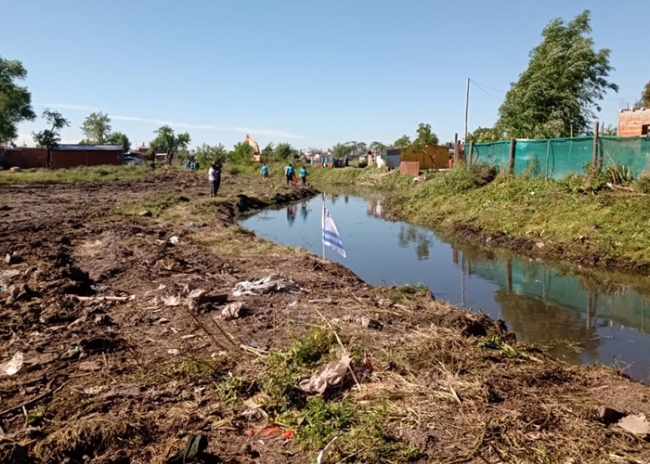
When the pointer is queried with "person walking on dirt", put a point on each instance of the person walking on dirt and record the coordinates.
(303, 176)
(214, 175)
(289, 172)
(265, 172)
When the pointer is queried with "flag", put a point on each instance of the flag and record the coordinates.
(331, 237)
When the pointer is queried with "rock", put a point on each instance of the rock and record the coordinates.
(637, 424)
(8, 258)
(540, 245)
(609, 415)
(145, 213)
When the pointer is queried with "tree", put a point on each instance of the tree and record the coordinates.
(168, 142)
(425, 135)
(377, 146)
(284, 151)
(50, 138)
(644, 101)
(402, 142)
(118, 138)
(97, 129)
(267, 152)
(242, 152)
(556, 95)
(15, 101)
(208, 154)
(485, 134)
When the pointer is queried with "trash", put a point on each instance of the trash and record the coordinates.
(172, 301)
(270, 284)
(72, 353)
(196, 445)
(636, 424)
(322, 456)
(13, 366)
(191, 224)
(8, 258)
(173, 352)
(232, 311)
(333, 374)
(173, 240)
(145, 213)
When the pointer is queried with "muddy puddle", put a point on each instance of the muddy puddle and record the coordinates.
(575, 314)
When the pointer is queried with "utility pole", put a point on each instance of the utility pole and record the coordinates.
(466, 108)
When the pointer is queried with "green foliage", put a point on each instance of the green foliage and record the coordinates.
(485, 134)
(556, 95)
(284, 151)
(323, 419)
(402, 142)
(425, 135)
(96, 128)
(242, 153)
(168, 142)
(363, 163)
(80, 174)
(644, 101)
(15, 101)
(268, 152)
(49, 138)
(207, 154)
(378, 146)
(118, 138)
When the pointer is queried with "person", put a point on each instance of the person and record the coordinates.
(303, 176)
(265, 172)
(214, 175)
(289, 173)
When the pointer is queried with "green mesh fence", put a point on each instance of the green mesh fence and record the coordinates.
(558, 158)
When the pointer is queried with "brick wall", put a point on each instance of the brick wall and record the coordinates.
(24, 158)
(410, 167)
(631, 122)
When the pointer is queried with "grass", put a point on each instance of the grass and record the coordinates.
(575, 216)
(80, 174)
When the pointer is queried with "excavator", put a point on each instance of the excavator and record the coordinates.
(256, 156)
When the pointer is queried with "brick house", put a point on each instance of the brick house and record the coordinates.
(63, 156)
(634, 122)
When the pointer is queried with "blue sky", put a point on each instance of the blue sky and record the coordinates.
(308, 73)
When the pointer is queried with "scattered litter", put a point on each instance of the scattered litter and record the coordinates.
(196, 445)
(292, 304)
(172, 301)
(256, 403)
(232, 311)
(173, 240)
(322, 456)
(99, 288)
(636, 424)
(145, 213)
(173, 352)
(333, 374)
(13, 366)
(187, 337)
(270, 284)
(191, 224)
(220, 353)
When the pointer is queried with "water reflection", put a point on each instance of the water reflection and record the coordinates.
(304, 212)
(423, 241)
(374, 208)
(291, 214)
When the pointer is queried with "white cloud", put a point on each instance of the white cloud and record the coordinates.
(65, 106)
(26, 140)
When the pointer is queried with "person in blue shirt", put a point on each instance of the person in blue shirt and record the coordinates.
(303, 176)
(289, 172)
(265, 172)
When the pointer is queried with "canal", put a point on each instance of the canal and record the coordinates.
(577, 315)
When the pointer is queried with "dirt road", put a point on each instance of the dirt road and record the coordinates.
(113, 297)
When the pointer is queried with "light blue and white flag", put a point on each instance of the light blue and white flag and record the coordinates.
(331, 237)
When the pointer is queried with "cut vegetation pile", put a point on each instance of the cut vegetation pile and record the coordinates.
(136, 347)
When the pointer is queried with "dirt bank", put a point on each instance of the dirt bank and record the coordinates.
(114, 297)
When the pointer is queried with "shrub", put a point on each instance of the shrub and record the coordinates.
(363, 163)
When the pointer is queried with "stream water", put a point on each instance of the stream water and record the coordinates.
(578, 315)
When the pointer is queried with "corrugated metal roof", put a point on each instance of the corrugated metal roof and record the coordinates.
(89, 147)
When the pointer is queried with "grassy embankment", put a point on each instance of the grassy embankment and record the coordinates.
(72, 175)
(579, 219)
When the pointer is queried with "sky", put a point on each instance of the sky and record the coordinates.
(308, 73)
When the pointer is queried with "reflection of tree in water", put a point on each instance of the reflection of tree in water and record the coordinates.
(374, 208)
(545, 325)
(409, 234)
(346, 198)
(291, 214)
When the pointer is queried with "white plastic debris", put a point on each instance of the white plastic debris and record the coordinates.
(322, 456)
(270, 284)
(173, 352)
(333, 374)
(172, 301)
(637, 424)
(13, 366)
(173, 240)
(232, 311)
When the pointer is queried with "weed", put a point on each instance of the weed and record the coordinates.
(322, 419)
(73, 175)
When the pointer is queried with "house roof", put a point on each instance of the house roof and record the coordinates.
(89, 147)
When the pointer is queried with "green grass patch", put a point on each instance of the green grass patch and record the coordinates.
(80, 174)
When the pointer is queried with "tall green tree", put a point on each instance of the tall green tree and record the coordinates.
(377, 146)
(566, 77)
(268, 152)
(425, 135)
(15, 100)
(402, 142)
(96, 128)
(118, 138)
(168, 142)
(484, 134)
(50, 138)
(644, 101)
(242, 152)
(284, 151)
(208, 154)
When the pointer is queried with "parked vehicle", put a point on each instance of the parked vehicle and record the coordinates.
(132, 160)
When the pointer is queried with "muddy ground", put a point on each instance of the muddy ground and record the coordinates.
(114, 293)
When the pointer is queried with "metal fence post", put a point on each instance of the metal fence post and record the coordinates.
(513, 149)
(471, 153)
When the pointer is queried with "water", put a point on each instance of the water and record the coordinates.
(578, 315)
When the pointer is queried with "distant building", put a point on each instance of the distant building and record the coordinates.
(63, 156)
(634, 122)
